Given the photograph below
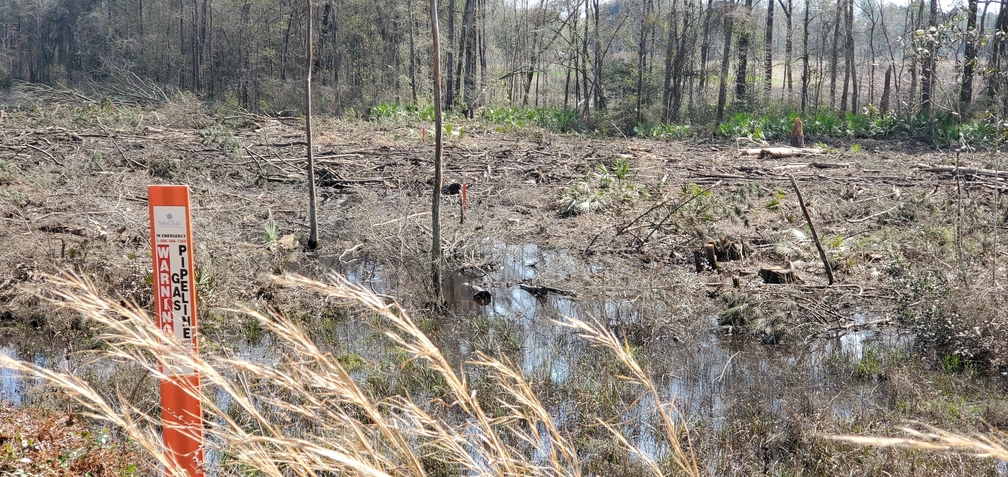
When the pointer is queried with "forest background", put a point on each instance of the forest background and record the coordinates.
(622, 66)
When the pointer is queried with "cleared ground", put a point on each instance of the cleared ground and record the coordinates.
(908, 240)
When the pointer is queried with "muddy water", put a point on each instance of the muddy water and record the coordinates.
(713, 378)
(13, 388)
(710, 375)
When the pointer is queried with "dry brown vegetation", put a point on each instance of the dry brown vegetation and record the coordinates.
(436, 390)
(305, 413)
(48, 442)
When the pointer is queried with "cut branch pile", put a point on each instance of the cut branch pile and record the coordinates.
(986, 177)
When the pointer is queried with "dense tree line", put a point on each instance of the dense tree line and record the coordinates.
(628, 61)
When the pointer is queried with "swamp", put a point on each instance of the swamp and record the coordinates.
(611, 305)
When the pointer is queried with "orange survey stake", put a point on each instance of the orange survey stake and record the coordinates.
(175, 309)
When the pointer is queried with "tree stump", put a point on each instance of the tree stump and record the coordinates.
(711, 254)
(480, 296)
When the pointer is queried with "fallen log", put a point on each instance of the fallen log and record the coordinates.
(831, 165)
(779, 152)
(542, 291)
(942, 169)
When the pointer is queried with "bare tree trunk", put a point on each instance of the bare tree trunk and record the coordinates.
(412, 55)
(600, 103)
(871, 48)
(834, 55)
(584, 58)
(910, 23)
(928, 79)
(822, 63)
(481, 46)
(723, 87)
(788, 44)
(182, 45)
(768, 41)
(850, 78)
(646, 25)
(884, 106)
(194, 48)
(805, 61)
(469, 55)
(892, 53)
(669, 53)
(312, 217)
(438, 163)
(705, 45)
(571, 59)
(208, 48)
(450, 57)
(847, 71)
(966, 90)
(743, 55)
(204, 29)
(457, 69)
(998, 57)
(283, 54)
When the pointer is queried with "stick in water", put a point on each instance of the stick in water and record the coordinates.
(815, 236)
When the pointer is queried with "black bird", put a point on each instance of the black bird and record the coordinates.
(451, 189)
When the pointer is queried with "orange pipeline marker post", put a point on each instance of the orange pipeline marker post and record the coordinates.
(462, 203)
(175, 308)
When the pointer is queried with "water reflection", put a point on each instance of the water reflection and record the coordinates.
(16, 388)
(712, 379)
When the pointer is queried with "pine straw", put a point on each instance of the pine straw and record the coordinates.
(306, 414)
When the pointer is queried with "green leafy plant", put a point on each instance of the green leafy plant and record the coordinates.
(836, 242)
(826, 147)
(870, 366)
(776, 200)
(581, 198)
(389, 112)
(452, 131)
(270, 230)
(621, 168)
(553, 119)
(940, 127)
(743, 125)
(224, 140)
(205, 279)
(601, 188)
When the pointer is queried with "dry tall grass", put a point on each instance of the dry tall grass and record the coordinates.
(926, 437)
(305, 414)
